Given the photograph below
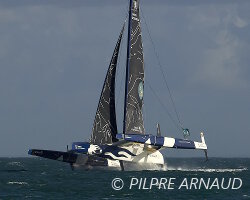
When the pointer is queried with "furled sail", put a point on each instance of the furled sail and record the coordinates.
(133, 117)
(105, 128)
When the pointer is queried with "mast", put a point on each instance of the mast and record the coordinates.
(127, 66)
(134, 84)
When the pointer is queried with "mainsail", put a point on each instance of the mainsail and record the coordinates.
(105, 128)
(133, 117)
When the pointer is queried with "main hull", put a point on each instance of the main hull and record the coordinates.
(143, 161)
(128, 166)
(107, 164)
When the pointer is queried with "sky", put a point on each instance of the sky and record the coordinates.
(54, 55)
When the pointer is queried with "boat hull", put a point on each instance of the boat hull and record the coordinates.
(144, 161)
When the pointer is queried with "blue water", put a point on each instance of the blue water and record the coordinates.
(35, 178)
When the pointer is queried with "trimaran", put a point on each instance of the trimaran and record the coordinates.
(133, 146)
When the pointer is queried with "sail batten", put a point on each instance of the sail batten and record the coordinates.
(105, 127)
(133, 116)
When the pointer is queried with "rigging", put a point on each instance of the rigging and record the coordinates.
(185, 131)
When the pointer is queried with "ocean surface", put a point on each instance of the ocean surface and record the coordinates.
(36, 178)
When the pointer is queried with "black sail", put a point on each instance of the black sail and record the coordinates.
(105, 128)
(133, 116)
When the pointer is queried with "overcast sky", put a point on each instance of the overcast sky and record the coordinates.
(54, 55)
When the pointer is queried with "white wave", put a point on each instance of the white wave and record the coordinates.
(207, 170)
(43, 184)
(15, 164)
(130, 166)
(17, 183)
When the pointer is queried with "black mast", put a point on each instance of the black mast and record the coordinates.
(134, 84)
(127, 66)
